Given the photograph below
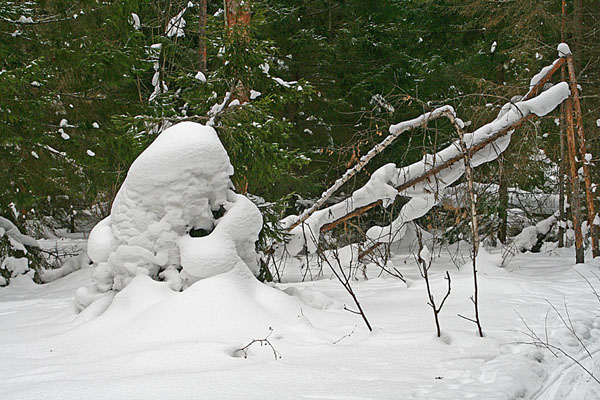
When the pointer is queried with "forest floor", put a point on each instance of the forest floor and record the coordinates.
(153, 343)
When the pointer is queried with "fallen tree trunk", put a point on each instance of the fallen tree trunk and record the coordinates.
(422, 120)
(431, 172)
(445, 111)
(424, 180)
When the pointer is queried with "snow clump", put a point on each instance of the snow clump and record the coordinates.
(166, 220)
(563, 50)
(135, 21)
(200, 76)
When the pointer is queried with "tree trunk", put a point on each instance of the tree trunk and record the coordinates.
(561, 181)
(577, 30)
(237, 24)
(575, 207)
(502, 202)
(202, 35)
(561, 165)
(589, 196)
(237, 16)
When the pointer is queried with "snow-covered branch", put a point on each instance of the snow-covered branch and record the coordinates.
(14, 234)
(395, 131)
(425, 180)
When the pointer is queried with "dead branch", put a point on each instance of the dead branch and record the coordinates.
(262, 342)
(553, 349)
(345, 336)
(420, 121)
(534, 91)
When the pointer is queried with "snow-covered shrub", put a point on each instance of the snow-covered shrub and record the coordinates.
(532, 237)
(18, 253)
(175, 217)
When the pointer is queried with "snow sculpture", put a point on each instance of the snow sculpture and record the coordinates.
(179, 184)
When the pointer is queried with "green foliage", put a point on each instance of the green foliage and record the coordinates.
(362, 65)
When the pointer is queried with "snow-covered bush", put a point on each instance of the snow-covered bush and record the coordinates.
(18, 255)
(532, 237)
(175, 217)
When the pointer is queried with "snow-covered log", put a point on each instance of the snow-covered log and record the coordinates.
(71, 264)
(17, 239)
(542, 203)
(531, 237)
(425, 180)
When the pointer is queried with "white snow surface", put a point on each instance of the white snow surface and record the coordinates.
(254, 94)
(174, 186)
(25, 20)
(154, 343)
(537, 77)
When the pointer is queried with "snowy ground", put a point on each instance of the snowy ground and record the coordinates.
(153, 343)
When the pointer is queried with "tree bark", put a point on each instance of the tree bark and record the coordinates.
(561, 180)
(589, 196)
(237, 24)
(561, 165)
(202, 35)
(237, 16)
(503, 202)
(578, 30)
(575, 207)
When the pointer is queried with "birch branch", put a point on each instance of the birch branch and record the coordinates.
(395, 131)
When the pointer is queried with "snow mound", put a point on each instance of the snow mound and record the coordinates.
(228, 308)
(179, 185)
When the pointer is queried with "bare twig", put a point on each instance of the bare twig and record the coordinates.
(424, 267)
(474, 222)
(345, 336)
(262, 342)
(344, 279)
(554, 350)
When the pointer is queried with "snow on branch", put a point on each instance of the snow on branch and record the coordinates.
(15, 236)
(395, 131)
(425, 180)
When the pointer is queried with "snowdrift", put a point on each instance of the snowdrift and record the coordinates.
(228, 309)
